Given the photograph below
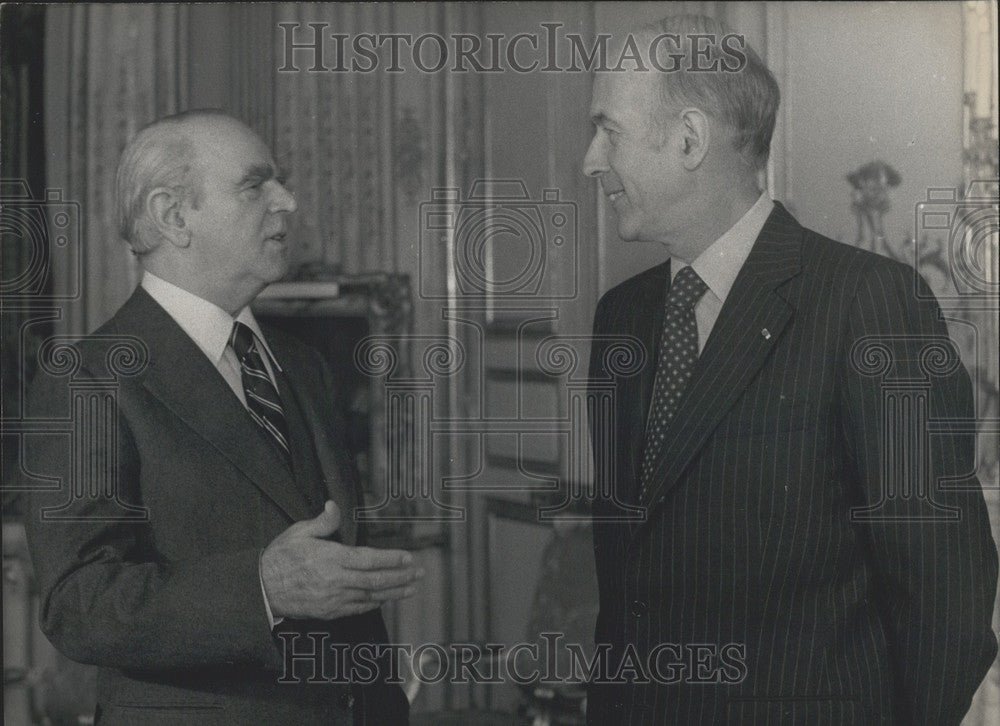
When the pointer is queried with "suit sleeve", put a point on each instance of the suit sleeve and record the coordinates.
(107, 597)
(930, 535)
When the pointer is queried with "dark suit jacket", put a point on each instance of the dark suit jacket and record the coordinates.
(170, 607)
(791, 587)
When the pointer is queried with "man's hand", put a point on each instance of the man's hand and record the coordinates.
(307, 576)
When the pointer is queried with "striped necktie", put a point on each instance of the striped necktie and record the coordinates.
(678, 353)
(263, 402)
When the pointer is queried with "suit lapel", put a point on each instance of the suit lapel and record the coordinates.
(645, 322)
(750, 323)
(187, 383)
(337, 483)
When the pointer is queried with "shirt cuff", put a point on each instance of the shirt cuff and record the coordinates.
(267, 606)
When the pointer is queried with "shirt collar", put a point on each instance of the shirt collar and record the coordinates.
(720, 263)
(208, 325)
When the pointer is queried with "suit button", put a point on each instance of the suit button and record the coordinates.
(347, 701)
(639, 608)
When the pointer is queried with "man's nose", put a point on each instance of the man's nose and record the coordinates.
(282, 200)
(595, 162)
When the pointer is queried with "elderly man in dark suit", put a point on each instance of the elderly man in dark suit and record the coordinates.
(226, 552)
(805, 553)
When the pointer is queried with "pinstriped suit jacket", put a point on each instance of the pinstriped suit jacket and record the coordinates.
(815, 546)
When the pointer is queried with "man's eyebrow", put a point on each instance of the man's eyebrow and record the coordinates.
(257, 172)
(602, 119)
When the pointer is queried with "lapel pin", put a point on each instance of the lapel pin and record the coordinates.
(766, 333)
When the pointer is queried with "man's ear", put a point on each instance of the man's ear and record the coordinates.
(165, 207)
(695, 137)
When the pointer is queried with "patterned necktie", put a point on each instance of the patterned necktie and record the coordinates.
(263, 402)
(678, 353)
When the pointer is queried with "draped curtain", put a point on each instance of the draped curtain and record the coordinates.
(110, 70)
(363, 149)
(335, 131)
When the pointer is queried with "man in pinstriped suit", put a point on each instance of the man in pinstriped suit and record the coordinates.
(806, 552)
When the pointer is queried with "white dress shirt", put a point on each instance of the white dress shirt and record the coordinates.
(721, 262)
(209, 326)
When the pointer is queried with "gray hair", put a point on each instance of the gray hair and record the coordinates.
(161, 155)
(743, 95)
